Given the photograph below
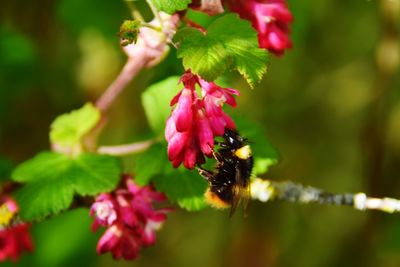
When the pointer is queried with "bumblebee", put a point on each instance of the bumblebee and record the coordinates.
(229, 182)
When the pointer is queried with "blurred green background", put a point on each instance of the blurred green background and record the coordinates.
(331, 107)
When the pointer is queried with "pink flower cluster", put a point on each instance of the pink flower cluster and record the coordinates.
(129, 217)
(196, 120)
(14, 236)
(271, 18)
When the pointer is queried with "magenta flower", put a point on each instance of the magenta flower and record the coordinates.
(196, 120)
(104, 211)
(129, 217)
(271, 18)
(14, 235)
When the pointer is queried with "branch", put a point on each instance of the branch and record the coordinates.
(266, 190)
(126, 149)
(130, 70)
(150, 48)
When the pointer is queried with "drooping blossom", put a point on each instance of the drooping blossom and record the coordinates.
(196, 120)
(129, 218)
(152, 45)
(210, 7)
(271, 19)
(14, 235)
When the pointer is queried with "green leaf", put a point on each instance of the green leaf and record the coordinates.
(170, 6)
(229, 42)
(264, 153)
(155, 101)
(184, 187)
(241, 43)
(67, 130)
(129, 31)
(210, 61)
(150, 163)
(52, 179)
(261, 165)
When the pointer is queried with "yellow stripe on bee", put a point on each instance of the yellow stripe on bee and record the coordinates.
(243, 152)
(215, 201)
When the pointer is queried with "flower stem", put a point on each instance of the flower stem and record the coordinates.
(155, 12)
(134, 11)
(129, 71)
(126, 149)
(266, 190)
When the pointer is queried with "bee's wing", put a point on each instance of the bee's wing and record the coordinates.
(246, 195)
(236, 191)
(240, 191)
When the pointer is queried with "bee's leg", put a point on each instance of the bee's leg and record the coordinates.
(208, 175)
(217, 156)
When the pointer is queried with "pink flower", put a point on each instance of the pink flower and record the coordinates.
(210, 7)
(271, 18)
(196, 120)
(130, 219)
(104, 211)
(14, 236)
(152, 44)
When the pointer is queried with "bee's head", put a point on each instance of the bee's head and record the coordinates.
(233, 138)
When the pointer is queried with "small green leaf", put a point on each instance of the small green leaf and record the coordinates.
(184, 187)
(52, 179)
(67, 130)
(170, 6)
(264, 153)
(129, 31)
(155, 101)
(210, 54)
(261, 165)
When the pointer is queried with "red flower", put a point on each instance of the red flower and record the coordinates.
(14, 241)
(271, 18)
(130, 219)
(195, 121)
(14, 236)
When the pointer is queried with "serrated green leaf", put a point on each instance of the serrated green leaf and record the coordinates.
(94, 173)
(155, 101)
(184, 187)
(242, 44)
(210, 60)
(170, 6)
(52, 179)
(150, 163)
(67, 130)
(223, 46)
(40, 199)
